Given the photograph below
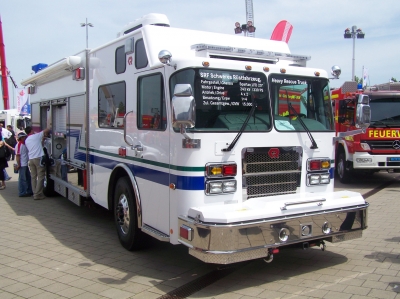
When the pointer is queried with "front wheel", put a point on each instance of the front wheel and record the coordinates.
(125, 215)
(343, 169)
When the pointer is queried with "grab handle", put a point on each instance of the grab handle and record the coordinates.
(319, 201)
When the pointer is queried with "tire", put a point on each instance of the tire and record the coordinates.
(125, 215)
(343, 170)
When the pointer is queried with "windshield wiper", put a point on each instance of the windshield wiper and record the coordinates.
(253, 108)
(314, 144)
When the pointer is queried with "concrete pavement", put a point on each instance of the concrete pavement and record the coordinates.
(54, 249)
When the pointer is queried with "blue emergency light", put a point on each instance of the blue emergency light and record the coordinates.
(39, 67)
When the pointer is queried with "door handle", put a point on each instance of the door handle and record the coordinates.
(138, 148)
(126, 141)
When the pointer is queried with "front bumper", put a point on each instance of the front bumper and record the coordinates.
(363, 160)
(235, 242)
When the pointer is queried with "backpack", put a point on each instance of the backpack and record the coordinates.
(12, 141)
(3, 151)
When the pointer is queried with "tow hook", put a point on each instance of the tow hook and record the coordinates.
(270, 256)
(322, 245)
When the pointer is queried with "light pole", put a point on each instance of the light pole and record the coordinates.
(86, 25)
(353, 34)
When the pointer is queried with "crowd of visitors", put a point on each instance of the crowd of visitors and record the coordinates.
(26, 149)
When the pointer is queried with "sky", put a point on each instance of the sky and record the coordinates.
(46, 31)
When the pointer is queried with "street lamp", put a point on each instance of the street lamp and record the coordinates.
(353, 34)
(86, 25)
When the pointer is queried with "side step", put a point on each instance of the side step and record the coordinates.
(155, 233)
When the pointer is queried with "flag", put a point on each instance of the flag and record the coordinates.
(365, 76)
(282, 32)
(23, 103)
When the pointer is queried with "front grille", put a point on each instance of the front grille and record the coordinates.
(271, 171)
(379, 144)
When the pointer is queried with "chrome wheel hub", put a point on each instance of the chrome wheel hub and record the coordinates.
(122, 213)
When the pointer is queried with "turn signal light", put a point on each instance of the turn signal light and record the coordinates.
(318, 164)
(221, 170)
(186, 232)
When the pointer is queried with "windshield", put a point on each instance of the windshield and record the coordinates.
(310, 99)
(385, 111)
(224, 99)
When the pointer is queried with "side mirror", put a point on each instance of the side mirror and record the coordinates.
(183, 107)
(335, 71)
(363, 112)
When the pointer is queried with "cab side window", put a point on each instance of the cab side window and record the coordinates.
(112, 103)
(120, 60)
(141, 60)
(151, 104)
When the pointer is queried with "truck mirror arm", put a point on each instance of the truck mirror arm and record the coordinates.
(341, 135)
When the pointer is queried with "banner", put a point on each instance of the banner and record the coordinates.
(365, 77)
(23, 103)
(282, 32)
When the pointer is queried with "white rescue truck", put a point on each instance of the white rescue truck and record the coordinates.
(13, 118)
(222, 143)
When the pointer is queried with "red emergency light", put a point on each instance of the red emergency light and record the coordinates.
(78, 74)
(32, 89)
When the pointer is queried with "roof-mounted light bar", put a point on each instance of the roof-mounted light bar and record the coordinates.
(250, 52)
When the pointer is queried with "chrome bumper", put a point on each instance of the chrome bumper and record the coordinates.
(235, 242)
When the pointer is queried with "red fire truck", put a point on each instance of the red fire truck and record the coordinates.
(376, 148)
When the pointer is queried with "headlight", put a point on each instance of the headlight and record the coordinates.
(220, 187)
(318, 179)
(284, 234)
(326, 228)
(365, 146)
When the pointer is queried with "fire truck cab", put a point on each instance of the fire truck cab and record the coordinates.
(378, 147)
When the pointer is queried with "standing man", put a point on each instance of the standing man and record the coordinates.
(22, 158)
(11, 141)
(34, 144)
(5, 134)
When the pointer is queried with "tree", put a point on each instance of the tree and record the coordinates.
(393, 79)
(358, 80)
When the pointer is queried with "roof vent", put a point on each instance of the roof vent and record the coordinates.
(149, 19)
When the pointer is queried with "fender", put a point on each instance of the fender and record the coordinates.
(349, 156)
(127, 170)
